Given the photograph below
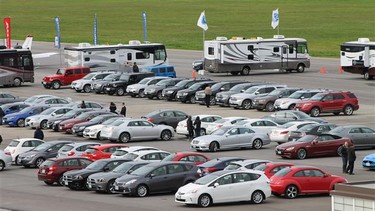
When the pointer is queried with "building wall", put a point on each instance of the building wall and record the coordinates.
(343, 203)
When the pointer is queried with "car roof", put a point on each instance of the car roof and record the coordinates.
(59, 141)
(145, 152)
(82, 144)
(249, 161)
(205, 115)
(155, 164)
(104, 146)
(26, 139)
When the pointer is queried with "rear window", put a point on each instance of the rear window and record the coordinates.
(90, 151)
(66, 148)
(261, 167)
(351, 95)
(130, 156)
(169, 157)
(13, 143)
(283, 172)
(120, 153)
(48, 163)
(233, 166)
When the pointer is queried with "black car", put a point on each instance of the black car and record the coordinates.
(170, 92)
(188, 95)
(217, 164)
(39, 154)
(311, 129)
(198, 64)
(157, 89)
(166, 117)
(99, 86)
(156, 177)
(222, 98)
(282, 117)
(77, 179)
(53, 123)
(80, 127)
(267, 102)
(119, 86)
(216, 88)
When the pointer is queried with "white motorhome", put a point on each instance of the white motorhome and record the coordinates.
(358, 57)
(116, 57)
(240, 55)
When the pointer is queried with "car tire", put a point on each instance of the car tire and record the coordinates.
(367, 76)
(246, 104)
(166, 135)
(269, 107)
(300, 68)
(348, 110)
(39, 162)
(204, 200)
(60, 182)
(214, 146)
(192, 99)
(142, 190)
(315, 112)
(159, 95)
(257, 197)
(257, 144)
(141, 93)
(120, 91)
(2, 165)
(110, 188)
(56, 85)
(16, 161)
(17, 82)
(301, 154)
(43, 124)
(87, 88)
(202, 132)
(48, 183)
(291, 106)
(291, 192)
(98, 136)
(245, 71)
(21, 122)
(124, 137)
(212, 100)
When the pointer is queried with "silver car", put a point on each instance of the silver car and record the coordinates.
(138, 89)
(74, 149)
(41, 119)
(5, 159)
(125, 130)
(229, 137)
(85, 83)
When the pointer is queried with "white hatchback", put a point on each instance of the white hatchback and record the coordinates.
(205, 121)
(5, 159)
(281, 134)
(21, 145)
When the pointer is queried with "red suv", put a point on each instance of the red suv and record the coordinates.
(64, 77)
(100, 152)
(52, 170)
(329, 102)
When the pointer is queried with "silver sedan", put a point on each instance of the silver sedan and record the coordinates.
(229, 137)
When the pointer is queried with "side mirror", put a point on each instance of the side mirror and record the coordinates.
(53, 114)
(280, 96)
(222, 89)
(106, 168)
(323, 100)
(302, 97)
(256, 93)
(315, 141)
(242, 90)
(216, 184)
(49, 150)
(325, 175)
(152, 175)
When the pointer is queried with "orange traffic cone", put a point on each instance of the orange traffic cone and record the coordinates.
(340, 69)
(194, 74)
(323, 70)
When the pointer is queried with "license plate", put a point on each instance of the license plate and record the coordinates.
(116, 187)
(367, 164)
(43, 171)
(66, 183)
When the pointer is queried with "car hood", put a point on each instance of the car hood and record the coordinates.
(82, 81)
(95, 127)
(207, 138)
(69, 121)
(370, 157)
(137, 86)
(127, 177)
(189, 187)
(187, 90)
(243, 95)
(173, 88)
(53, 76)
(81, 172)
(267, 97)
(106, 175)
(157, 87)
(292, 144)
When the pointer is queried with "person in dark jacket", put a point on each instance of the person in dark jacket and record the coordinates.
(38, 133)
(190, 128)
(135, 68)
(83, 104)
(1, 139)
(123, 110)
(344, 156)
(112, 107)
(197, 125)
(351, 158)
(2, 114)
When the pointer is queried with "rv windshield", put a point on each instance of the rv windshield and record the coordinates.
(60, 72)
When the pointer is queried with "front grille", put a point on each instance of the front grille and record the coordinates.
(68, 179)
(92, 181)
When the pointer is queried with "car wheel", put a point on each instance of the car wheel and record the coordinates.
(166, 135)
(257, 197)
(204, 200)
(314, 112)
(110, 187)
(270, 107)
(245, 71)
(48, 183)
(120, 91)
(348, 110)
(212, 100)
(56, 85)
(98, 135)
(61, 181)
(367, 76)
(159, 95)
(301, 154)
(214, 146)
(2, 165)
(291, 192)
(202, 132)
(87, 88)
(43, 124)
(21, 123)
(300, 68)
(142, 191)
(291, 107)
(16, 161)
(336, 113)
(141, 93)
(246, 104)
(192, 99)
(257, 144)
(17, 82)
(124, 137)
(39, 162)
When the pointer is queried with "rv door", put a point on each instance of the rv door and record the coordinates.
(284, 56)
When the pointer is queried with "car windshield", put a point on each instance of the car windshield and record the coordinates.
(283, 172)
(251, 90)
(83, 115)
(143, 170)
(338, 130)
(27, 109)
(48, 163)
(60, 72)
(239, 87)
(88, 76)
(117, 122)
(233, 166)
(97, 119)
(220, 131)
(163, 82)
(32, 99)
(71, 113)
(261, 167)
(42, 147)
(182, 83)
(170, 157)
(144, 81)
(296, 95)
(307, 127)
(287, 125)
(195, 86)
(130, 156)
(120, 152)
(276, 92)
(110, 77)
(306, 138)
(97, 165)
(317, 97)
(109, 121)
(206, 179)
(48, 111)
(66, 148)
(123, 168)
(242, 122)
(13, 143)
(217, 86)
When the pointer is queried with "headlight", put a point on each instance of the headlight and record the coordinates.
(101, 180)
(185, 93)
(170, 92)
(289, 149)
(79, 177)
(131, 182)
(30, 156)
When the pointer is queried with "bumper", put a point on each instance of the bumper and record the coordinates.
(96, 186)
(89, 135)
(47, 178)
(258, 105)
(9, 123)
(131, 190)
(77, 132)
(235, 103)
(285, 154)
(75, 184)
(45, 83)
(32, 123)
(182, 98)
(186, 198)
(278, 189)
(201, 101)
(199, 147)
(222, 102)
(150, 94)
(25, 162)
(368, 164)
(281, 106)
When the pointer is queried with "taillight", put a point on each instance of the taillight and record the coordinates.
(209, 170)
(71, 153)
(283, 132)
(150, 119)
(51, 169)
(7, 153)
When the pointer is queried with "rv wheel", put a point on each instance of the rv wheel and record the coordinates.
(367, 76)
(300, 68)
(17, 82)
(245, 71)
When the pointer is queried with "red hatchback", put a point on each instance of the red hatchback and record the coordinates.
(272, 168)
(298, 180)
(197, 158)
(52, 170)
(100, 152)
(67, 125)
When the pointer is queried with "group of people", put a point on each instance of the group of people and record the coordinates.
(348, 157)
(194, 128)
(113, 108)
(129, 67)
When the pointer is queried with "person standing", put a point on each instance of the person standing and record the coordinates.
(123, 110)
(344, 156)
(112, 107)
(208, 93)
(351, 158)
(1, 139)
(135, 68)
(197, 125)
(83, 104)
(2, 114)
(190, 128)
(38, 133)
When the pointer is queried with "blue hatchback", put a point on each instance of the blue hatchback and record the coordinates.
(369, 162)
(18, 118)
(10, 108)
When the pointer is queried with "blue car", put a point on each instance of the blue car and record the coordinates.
(18, 118)
(10, 108)
(369, 161)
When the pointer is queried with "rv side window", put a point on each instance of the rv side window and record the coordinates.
(301, 48)
(372, 47)
(250, 57)
(112, 52)
(276, 49)
(129, 56)
(210, 51)
(87, 59)
(142, 55)
(291, 49)
(250, 47)
(352, 48)
(113, 60)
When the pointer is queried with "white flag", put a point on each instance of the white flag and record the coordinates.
(202, 21)
(275, 18)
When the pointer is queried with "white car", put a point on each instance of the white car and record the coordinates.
(5, 160)
(34, 98)
(53, 101)
(147, 155)
(226, 186)
(245, 164)
(205, 120)
(41, 119)
(85, 83)
(89, 105)
(93, 132)
(288, 103)
(211, 127)
(120, 153)
(74, 149)
(139, 88)
(21, 145)
(282, 133)
(264, 126)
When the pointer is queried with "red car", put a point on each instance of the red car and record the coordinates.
(197, 158)
(312, 146)
(272, 168)
(67, 125)
(52, 170)
(329, 102)
(100, 152)
(64, 76)
(298, 180)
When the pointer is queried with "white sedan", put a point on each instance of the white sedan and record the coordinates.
(282, 133)
(41, 119)
(93, 132)
(224, 187)
(5, 159)
(264, 126)
(205, 120)
(53, 101)
(147, 155)
(211, 127)
(120, 153)
(21, 145)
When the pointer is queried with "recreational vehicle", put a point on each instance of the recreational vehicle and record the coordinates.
(240, 56)
(358, 57)
(116, 57)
